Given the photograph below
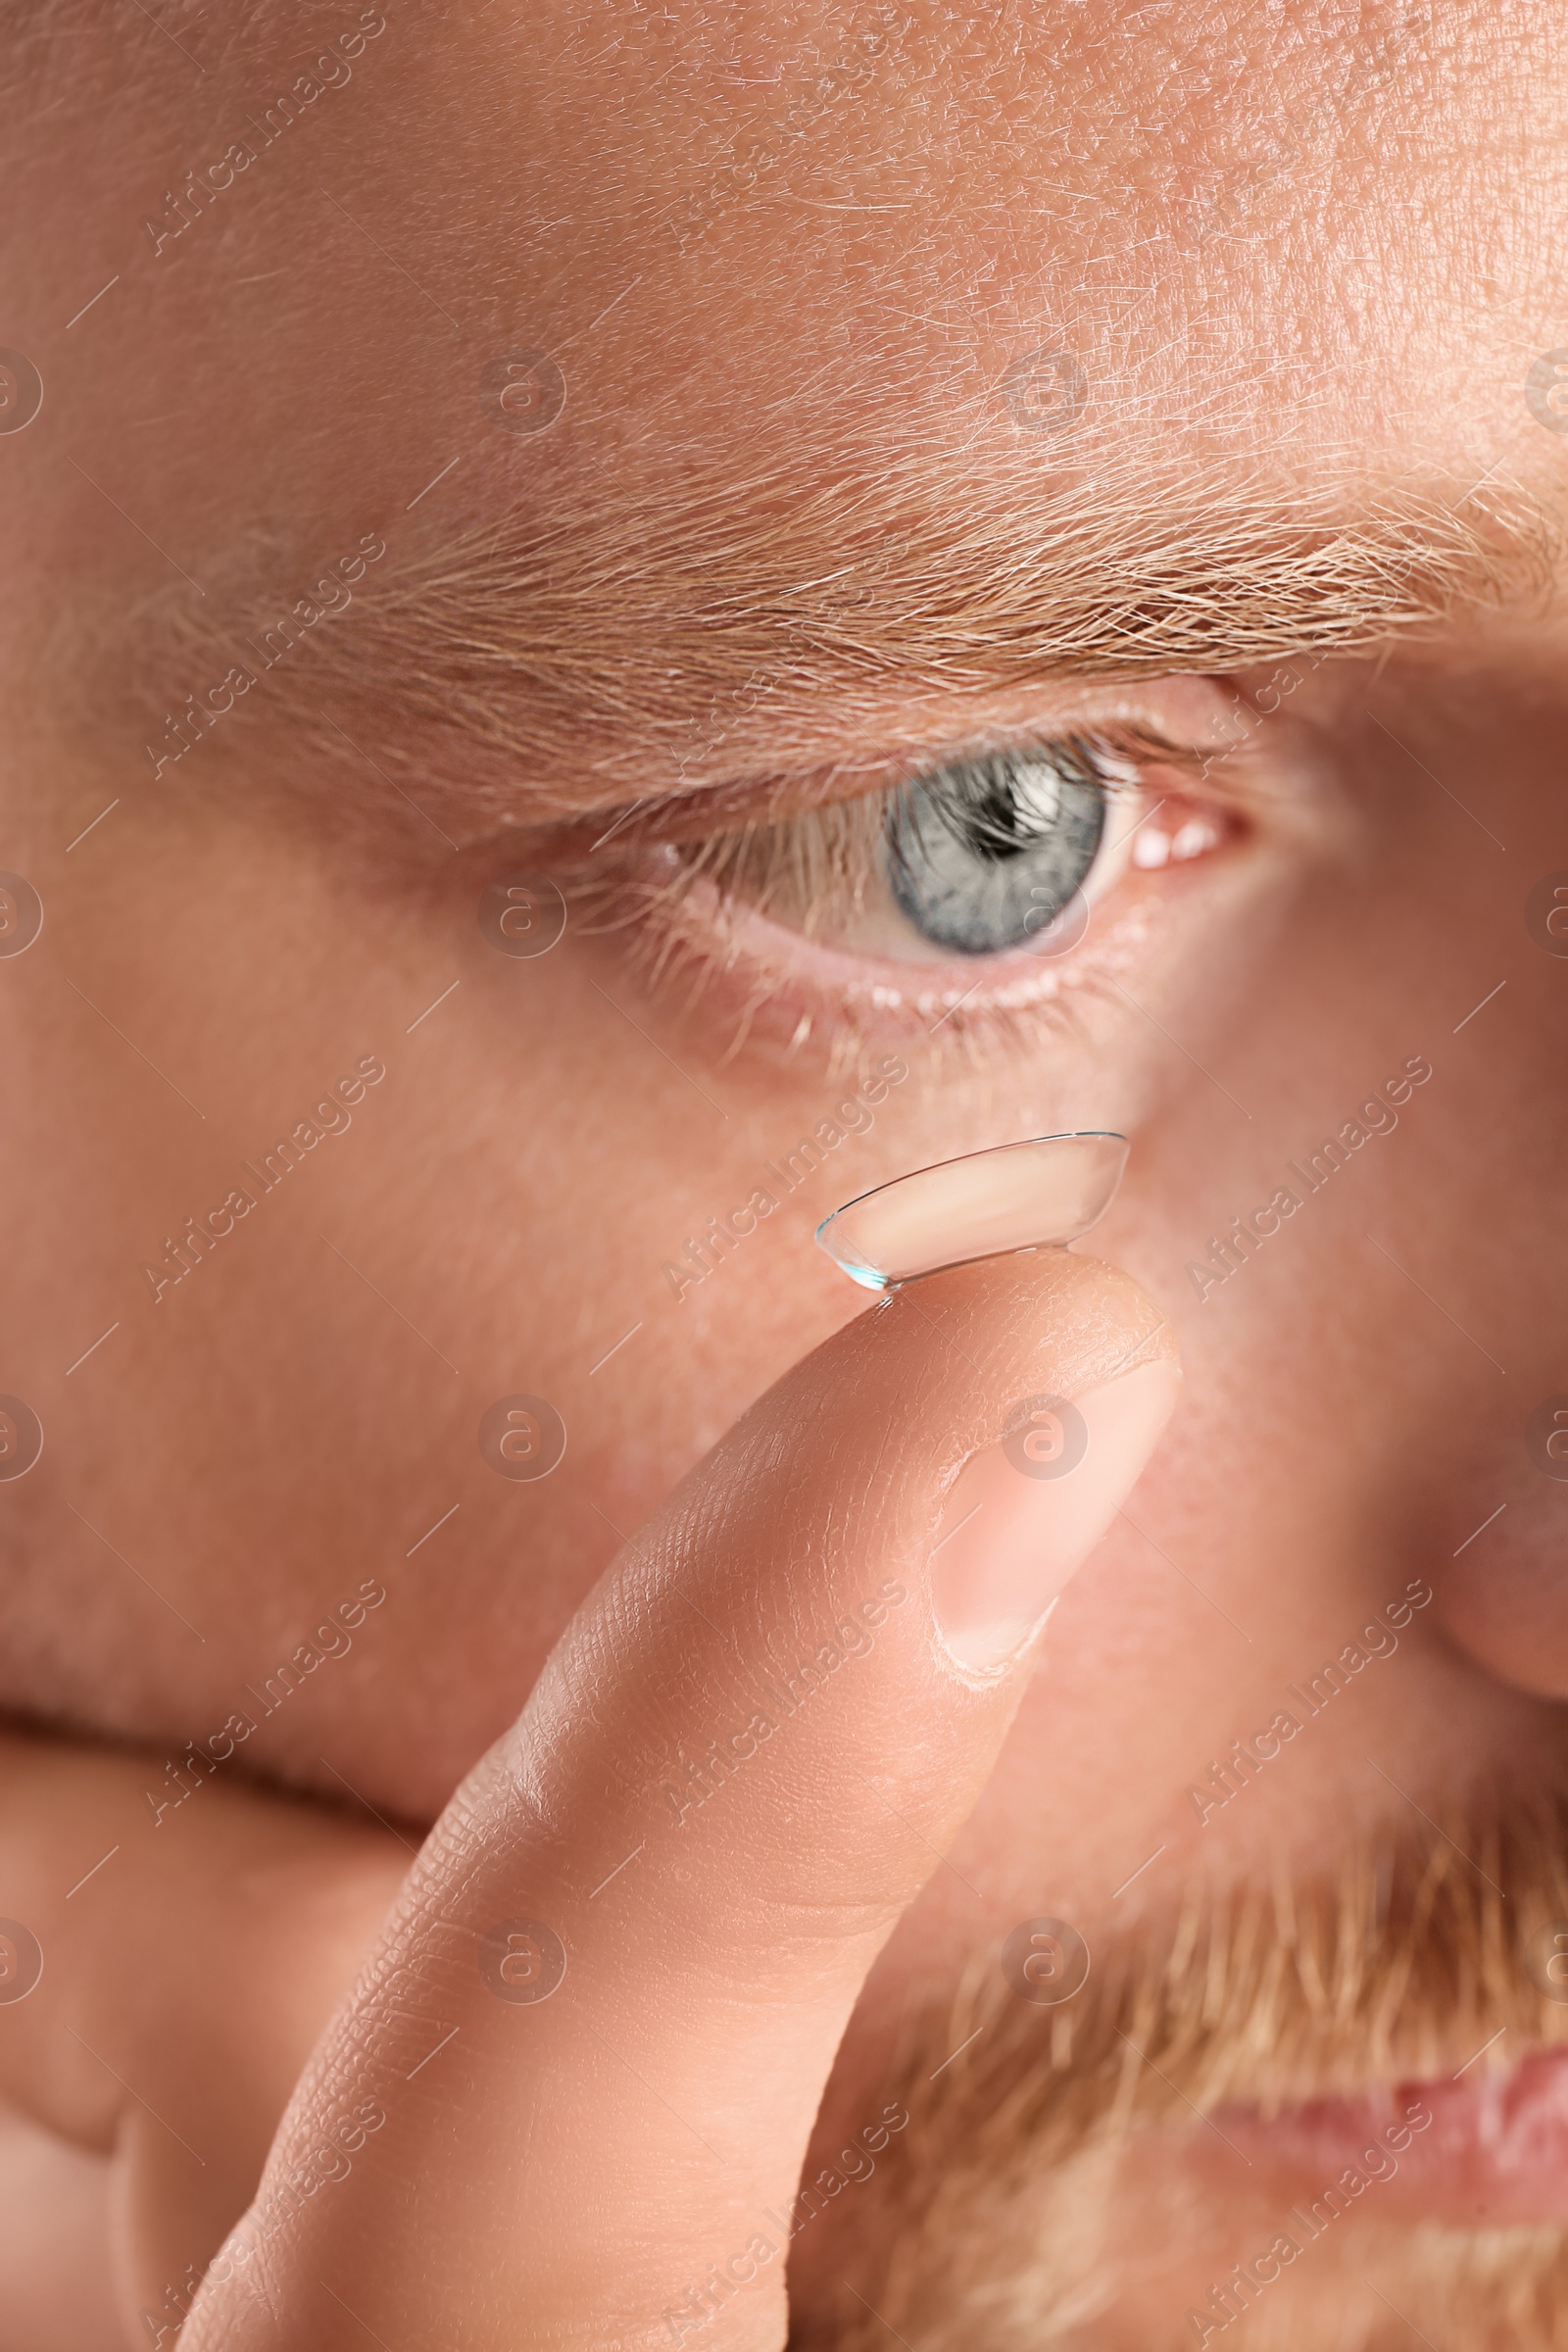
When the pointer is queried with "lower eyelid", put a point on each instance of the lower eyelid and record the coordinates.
(754, 984)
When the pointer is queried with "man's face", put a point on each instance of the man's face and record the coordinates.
(484, 567)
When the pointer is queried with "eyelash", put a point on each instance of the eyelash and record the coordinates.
(681, 891)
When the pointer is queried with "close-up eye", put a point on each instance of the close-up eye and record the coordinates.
(998, 853)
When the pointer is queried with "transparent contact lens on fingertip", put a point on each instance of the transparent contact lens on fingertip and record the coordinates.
(1030, 1195)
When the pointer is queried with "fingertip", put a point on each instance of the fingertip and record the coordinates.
(1051, 1300)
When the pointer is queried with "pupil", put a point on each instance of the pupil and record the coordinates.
(994, 823)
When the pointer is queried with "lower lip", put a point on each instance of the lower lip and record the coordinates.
(1494, 2149)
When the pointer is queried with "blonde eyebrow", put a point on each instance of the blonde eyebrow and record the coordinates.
(640, 650)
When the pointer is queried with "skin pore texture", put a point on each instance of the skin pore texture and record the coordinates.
(910, 384)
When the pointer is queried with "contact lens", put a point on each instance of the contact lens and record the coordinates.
(1027, 1195)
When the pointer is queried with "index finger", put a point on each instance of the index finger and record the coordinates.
(577, 2079)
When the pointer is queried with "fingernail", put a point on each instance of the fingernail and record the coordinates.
(1024, 1514)
(1014, 1196)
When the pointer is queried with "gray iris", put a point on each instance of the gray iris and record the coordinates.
(983, 854)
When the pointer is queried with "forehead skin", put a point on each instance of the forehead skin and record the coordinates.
(1299, 267)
